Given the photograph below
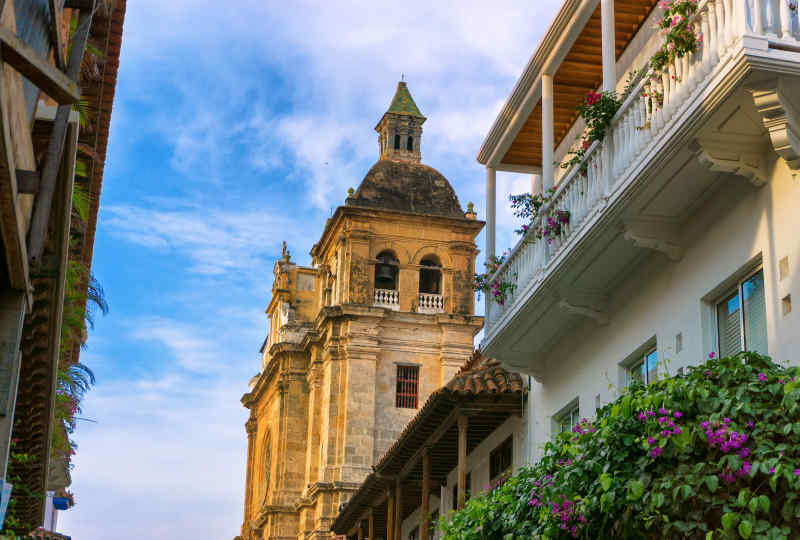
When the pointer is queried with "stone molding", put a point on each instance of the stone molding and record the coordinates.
(585, 303)
(657, 235)
(736, 155)
(777, 102)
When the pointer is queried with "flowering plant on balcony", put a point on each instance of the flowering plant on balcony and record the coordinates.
(712, 453)
(527, 206)
(497, 289)
(597, 109)
(680, 34)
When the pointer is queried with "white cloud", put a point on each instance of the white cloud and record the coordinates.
(215, 241)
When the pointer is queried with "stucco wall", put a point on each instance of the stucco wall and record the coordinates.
(740, 226)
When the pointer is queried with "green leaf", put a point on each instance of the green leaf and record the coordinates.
(635, 489)
(605, 481)
(763, 502)
(712, 482)
(741, 500)
(709, 535)
(746, 528)
(753, 505)
(728, 520)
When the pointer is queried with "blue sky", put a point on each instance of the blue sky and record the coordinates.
(235, 128)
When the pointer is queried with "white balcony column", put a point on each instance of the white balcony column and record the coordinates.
(608, 45)
(491, 196)
(547, 132)
(536, 184)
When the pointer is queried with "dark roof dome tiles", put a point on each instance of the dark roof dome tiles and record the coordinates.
(407, 186)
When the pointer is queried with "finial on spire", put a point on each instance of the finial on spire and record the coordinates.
(285, 255)
(402, 77)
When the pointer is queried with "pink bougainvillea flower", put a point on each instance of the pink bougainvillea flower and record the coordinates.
(655, 452)
(711, 355)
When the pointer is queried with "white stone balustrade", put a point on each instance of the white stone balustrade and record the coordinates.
(387, 298)
(431, 303)
(653, 108)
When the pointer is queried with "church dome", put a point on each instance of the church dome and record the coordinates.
(407, 186)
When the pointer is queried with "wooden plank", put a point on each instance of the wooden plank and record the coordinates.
(398, 511)
(12, 225)
(431, 440)
(55, 34)
(27, 181)
(36, 69)
(390, 518)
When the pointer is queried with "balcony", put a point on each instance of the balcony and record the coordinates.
(723, 109)
(387, 298)
(431, 303)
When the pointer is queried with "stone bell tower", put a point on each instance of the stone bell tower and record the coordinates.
(400, 128)
(360, 339)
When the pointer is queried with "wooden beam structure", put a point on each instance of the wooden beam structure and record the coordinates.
(50, 80)
(12, 226)
(390, 517)
(55, 149)
(398, 511)
(371, 525)
(55, 34)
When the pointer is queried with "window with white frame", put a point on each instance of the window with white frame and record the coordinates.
(643, 367)
(567, 418)
(742, 317)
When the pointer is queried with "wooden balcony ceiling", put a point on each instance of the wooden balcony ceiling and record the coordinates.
(581, 72)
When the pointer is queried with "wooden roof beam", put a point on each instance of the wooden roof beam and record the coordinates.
(23, 58)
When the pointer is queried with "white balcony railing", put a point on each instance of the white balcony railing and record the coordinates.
(387, 298)
(431, 303)
(640, 123)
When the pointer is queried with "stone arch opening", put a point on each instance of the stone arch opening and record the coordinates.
(386, 271)
(430, 275)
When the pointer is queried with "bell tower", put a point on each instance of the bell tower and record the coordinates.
(400, 128)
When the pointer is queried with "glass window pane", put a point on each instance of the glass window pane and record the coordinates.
(635, 373)
(755, 313)
(730, 338)
(652, 366)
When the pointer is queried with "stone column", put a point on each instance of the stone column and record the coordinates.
(491, 222)
(463, 422)
(251, 426)
(608, 45)
(536, 184)
(547, 132)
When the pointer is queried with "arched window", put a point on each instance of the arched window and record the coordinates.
(386, 271)
(397, 142)
(410, 144)
(430, 275)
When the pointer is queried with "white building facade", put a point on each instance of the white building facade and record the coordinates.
(684, 232)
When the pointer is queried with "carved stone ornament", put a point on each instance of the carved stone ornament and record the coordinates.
(777, 101)
(657, 235)
(731, 154)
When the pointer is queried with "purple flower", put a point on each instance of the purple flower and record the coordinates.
(708, 374)
(676, 431)
(677, 414)
(641, 416)
(662, 419)
(651, 414)
(655, 452)
(662, 410)
(711, 355)
(744, 452)
(771, 470)
(797, 472)
(762, 377)
(705, 424)
(651, 440)
(750, 424)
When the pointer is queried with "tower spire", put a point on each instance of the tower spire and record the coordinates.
(400, 128)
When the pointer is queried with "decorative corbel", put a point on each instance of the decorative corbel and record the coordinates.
(742, 155)
(777, 102)
(655, 234)
(585, 303)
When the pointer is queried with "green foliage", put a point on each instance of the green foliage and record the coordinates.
(680, 35)
(713, 453)
(13, 524)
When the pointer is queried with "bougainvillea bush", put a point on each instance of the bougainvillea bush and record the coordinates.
(712, 453)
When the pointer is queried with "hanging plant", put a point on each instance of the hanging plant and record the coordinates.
(680, 34)
(497, 289)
